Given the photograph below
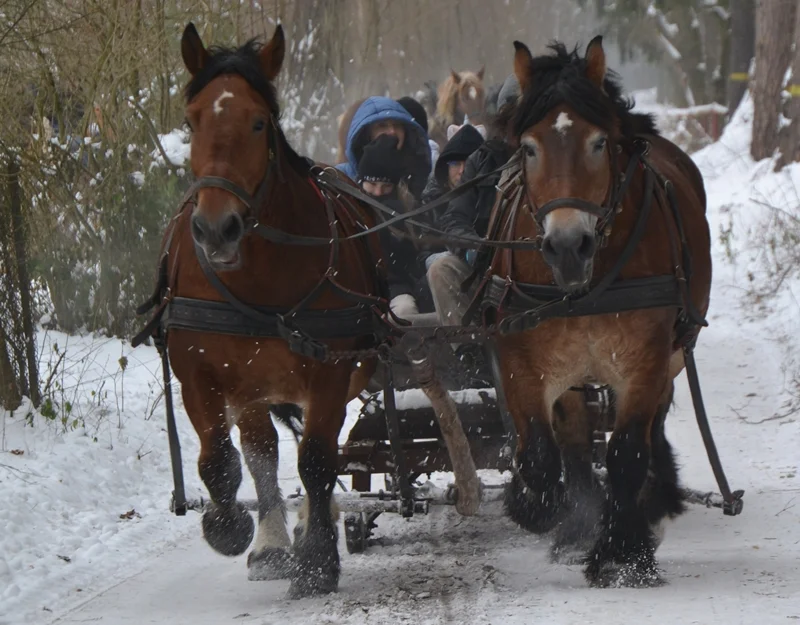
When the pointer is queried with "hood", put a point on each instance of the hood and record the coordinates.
(378, 108)
(509, 91)
(463, 143)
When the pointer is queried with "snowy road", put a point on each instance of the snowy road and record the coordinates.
(442, 569)
(485, 570)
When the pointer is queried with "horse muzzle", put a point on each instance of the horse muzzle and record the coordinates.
(570, 253)
(219, 239)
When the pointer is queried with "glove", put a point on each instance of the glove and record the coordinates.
(403, 305)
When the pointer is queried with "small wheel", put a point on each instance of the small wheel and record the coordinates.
(356, 532)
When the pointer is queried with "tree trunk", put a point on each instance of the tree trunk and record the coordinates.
(23, 279)
(774, 29)
(9, 393)
(742, 49)
(790, 135)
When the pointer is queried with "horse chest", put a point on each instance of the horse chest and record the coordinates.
(592, 347)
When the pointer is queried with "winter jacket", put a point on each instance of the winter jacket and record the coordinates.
(468, 214)
(460, 146)
(415, 146)
(404, 266)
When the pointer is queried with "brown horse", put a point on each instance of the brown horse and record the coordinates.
(249, 179)
(576, 135)
(461, 94)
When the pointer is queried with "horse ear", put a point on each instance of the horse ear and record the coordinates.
(523, 64)
(456, 77)
(194, 53)
(481, 72)
(596, 62)
(272, 54)
(451, 130)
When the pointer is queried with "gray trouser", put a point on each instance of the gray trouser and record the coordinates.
(445, 276)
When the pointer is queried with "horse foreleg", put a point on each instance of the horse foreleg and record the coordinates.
(270, 557)
(316, 569)
(663, 497)
(574, 425)
(227, 525)
(624, 554)
(535, 496)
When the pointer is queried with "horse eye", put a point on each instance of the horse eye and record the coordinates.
(259, 125)
(529, 150)
(600, 144)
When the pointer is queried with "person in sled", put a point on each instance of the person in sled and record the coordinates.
(449, 169)
(417, 111)
(381, 175)
(468, 216)
(383, 116)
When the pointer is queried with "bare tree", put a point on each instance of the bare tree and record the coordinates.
(790, 135)
(774, 28)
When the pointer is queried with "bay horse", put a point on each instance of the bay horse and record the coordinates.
(250, 181)
(606, 197)
(460, 94)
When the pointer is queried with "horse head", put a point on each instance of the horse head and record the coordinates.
(571, 125)
(232, 112)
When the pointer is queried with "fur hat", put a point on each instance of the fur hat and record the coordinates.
(381, 161)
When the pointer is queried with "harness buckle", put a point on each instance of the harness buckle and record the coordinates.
(300, 342)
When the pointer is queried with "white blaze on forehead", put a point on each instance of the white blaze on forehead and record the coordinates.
(562, 122)
(218, 102)
(473, 93)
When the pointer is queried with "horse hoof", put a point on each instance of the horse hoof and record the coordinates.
(270, 564)
(641, 572)
(313, 584)
(228, 531)
(536, 512)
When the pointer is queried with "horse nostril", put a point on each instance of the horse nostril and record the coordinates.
(549, 250)
(199, 228)
(587, 247)
(232, 228)
(559, 246)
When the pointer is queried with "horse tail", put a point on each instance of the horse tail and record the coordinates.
(290, 416)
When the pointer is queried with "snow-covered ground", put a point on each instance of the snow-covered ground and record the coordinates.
(86, 535)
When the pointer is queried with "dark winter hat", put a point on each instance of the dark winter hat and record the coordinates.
(416, 110)
(381, 161)
(509, 91)
(463, 143)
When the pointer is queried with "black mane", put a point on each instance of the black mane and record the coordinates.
(560, 78)
(244, 62)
